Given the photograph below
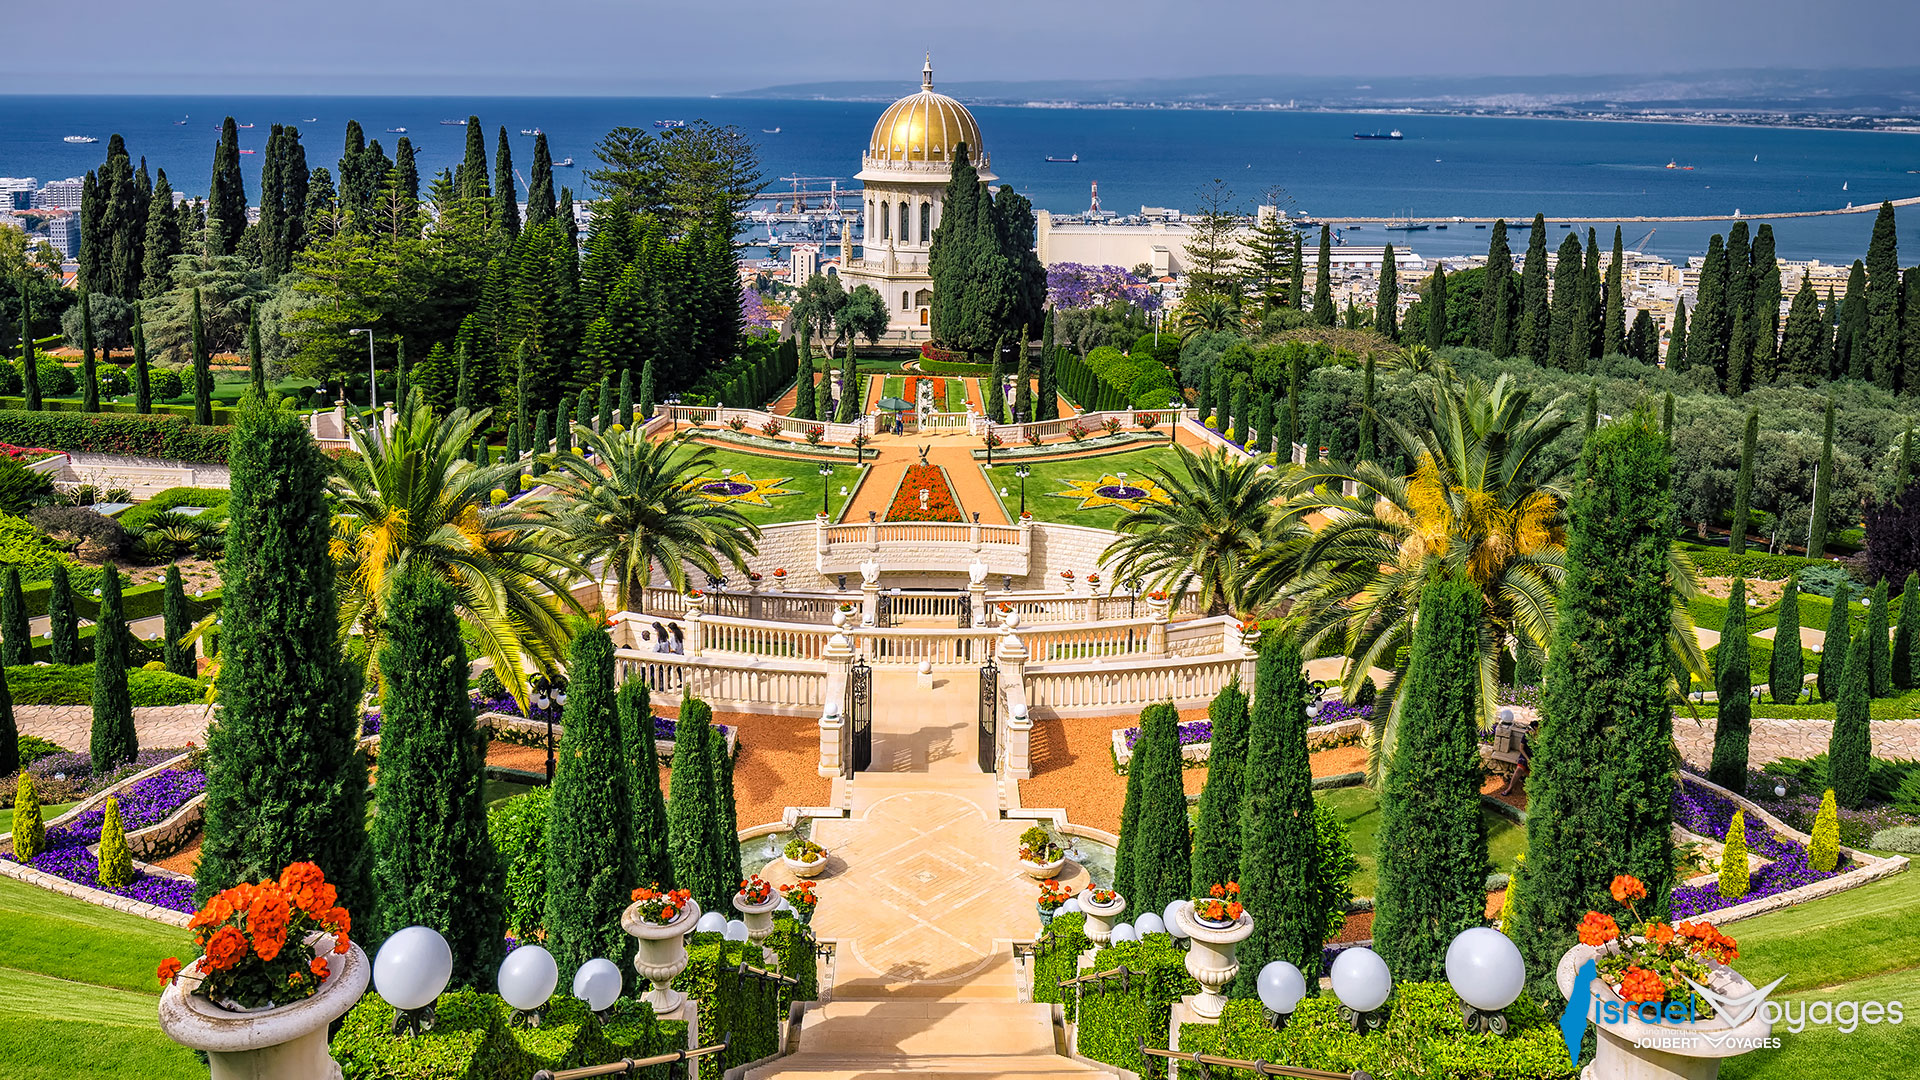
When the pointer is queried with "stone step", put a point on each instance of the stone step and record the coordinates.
(905, 1027)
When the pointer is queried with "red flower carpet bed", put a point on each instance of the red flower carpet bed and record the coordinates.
(940, 502)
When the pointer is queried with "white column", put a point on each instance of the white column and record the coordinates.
(1011, 656)
(838, 656)
(977, 592)
(870, 593)
(1161, 612)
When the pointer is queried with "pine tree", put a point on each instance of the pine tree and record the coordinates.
(1734, 727)
(1900, 660)
(16, 640)
(1495, 315)
(89, 373)
(63, 629)
(697, 867)
(1536, 317)
(1279, 852)
(113, 740)
(202, 369)
(433, 863)
(1437, 310)
(1601, 787)
(1158, 845)
(1433, 841)
(540, 200)
(173, 617)
(1803, 346)
(142, 374)
(286, 781)
(1839, 641)
(1323, 310)
(1743, 486)
(1216, 827)
(1677, 341)
(1879, 664)
(1850, 748)
(647, 821)
(1784, 672)
(1386, 318)
(1613, 321)
(589, 852)
(1883, 301)
(1822, 483)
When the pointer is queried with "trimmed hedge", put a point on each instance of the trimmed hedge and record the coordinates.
(1754, 566)
(793, 943)
(518, 827)
(1425, 1037)
(171, 437)
(214, 499)
(750, 1008)
(1059, 960)
(1112, 1021)
(58, 684)
(472, 1040)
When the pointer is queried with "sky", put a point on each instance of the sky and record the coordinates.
(649, 47)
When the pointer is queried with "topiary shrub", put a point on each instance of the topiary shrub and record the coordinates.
(72, 684)
(1057, 959)
(747, 1007)
(1113, 1020)
(470, 1041)
(518, 828)
(116, 862)
(1822, 578)
(166, 384)
(1902, 838)
(793, 943)
(29, 829)
(1735, 877)
(1823, 849)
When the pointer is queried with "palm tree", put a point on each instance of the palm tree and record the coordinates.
(1485, 501)
(1208, 314)
(633, 506)
(1222, 517)
(410, 498)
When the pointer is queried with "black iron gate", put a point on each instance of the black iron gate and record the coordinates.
(859, 712)
(989, 716)
(883, 612)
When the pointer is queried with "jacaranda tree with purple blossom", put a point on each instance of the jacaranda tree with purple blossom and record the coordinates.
(1076, 285)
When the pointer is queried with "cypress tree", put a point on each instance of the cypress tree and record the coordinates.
(1591, 300)
(1203, 397)
(626, 399)
(1023, 387)
(583, 408)
(16, 639)
(1536, 319)
(1839, 639)
(1739, 309)
(162, 241)
(142, 376)
(1879, 664)
(1601, 788)
(1494, 316)
(113, 740)
(286, 781)
(589, 853)
(1734, 727)
(540, 199)
(1323, 279)
(725, 819)
(506, 193)
(202, 369)
(1293, 402)
(1900, 660)
(1158, 845)
(1851, 344)
(1296, 273)
(29, 365)
(1822, 483)
(256, 361)
(1883, 301)
(542, 443)
(803, 379)
(1131, 807)
(63, 630)
(1049, 403)
(433, 863)
(1707, 338)
(697, 867)
(89, 373)
(1666, 416)
(470, 178)
(1764, 284)
(1433, 841)
(1613, 321)
(1784, 671)
(1677, 340)
(1367, 448)
(1593, 411)
(603, 408)
(1743, 486)
(850, 388)
(1216, 827)
(227, 194)
(1910, 329)
(1386, 317)
(1803, 345)
(643, 405)
(994, 395)
(9, 731)
(823, 397)
(1240, 412)
(173, 617)
(1643, 339)
(1836, 344)
(1279, 852)
(1850, 748)
(463, 389)
(647, 821)
(1437, 310)
(1566, 345)
(562, 431)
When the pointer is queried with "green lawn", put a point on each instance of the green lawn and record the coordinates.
(1359, 807)
(949, 395)
(47, 813)
(800, 479)
(1057, 476)
(77, 993)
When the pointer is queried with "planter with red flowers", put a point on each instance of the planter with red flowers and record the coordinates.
(755, 902)
(800, 897)
(276, 970)
(1102, 908)
(1053, 896)
(1642, 991)
(1216, 924)
(661, 921)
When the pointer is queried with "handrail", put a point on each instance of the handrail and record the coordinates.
(1257, 1067)
(627, 1066)
(1098, 979)
(748, 970)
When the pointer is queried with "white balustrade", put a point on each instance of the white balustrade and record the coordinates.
(1090, 688)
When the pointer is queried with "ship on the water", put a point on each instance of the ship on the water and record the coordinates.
(669, 123)
(80, 139)
(1072, 160)
(453, 123)
(1391, 136)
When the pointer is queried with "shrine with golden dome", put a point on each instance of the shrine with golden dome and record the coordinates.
(905, 169)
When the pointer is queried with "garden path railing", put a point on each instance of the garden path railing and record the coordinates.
(630, 1067)
(1207, 1062)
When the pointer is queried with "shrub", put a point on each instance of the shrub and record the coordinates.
(518, 828)
(1823, 851)
(33, 748)
(488, 685)
(27, 549)
(21, 490)
(1902, 838)
(1335, 867)
(56, 379)
(1058, 958)
(81, 527)
(470, 1041)
(1754, 566)
(116, 862)
(29, 830)
(747, 1007)
(171, 437)
(1113, 1020)
(170, 499)
(1735, 877)
(166, 384)
(794, 944)
(1821, 577)
(72, 684)
(112, 381)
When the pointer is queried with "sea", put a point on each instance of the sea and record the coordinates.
(1444, 166)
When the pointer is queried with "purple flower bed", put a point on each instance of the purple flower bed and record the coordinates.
(1334, 711)
(78, 865)
(149, 802)
(1708, 813)
(663, 726)
(1201, 731)
(1528, 696)
(1197, 731)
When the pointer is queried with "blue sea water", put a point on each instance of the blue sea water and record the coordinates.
(1445, 166)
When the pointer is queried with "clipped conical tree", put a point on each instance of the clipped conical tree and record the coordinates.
(603, 408)
(286, 781)
(16, 637)
(175, 625)
(1432, 839)
(202, 372)
(1901, 658)
(1279, 853)
(116, 862)
(589, 854)
(1850, 748)
(993, 394)
(63, 627)
(1733, 728)
(433, 862)
(1743, 487)
(113, 741)
(1216, 827)
(653, 864)
(1879, 662)
(690, 804)
(725, 834)
(29, 825)
(1158, 845)
(626, 399)
(1784, 669)
(803, 395)
(1839, 639)
(1130, 805)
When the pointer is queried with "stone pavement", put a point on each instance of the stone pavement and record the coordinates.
(71, 726)
(1797, 738)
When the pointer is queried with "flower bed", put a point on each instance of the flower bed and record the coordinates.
(1337, 721)
(146, 803)
(664, 727)
(68, 777)
(1698, 809)
(940, 502)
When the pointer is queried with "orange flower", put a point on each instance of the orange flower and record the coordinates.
(168, 969)
(669, 913)
(1659, 933)
(340, 942)
(1233, 887)
(1626, 887)
(338, 919)
(217, 911)
(1598, 929)
(226, 948)
(1217, 891)
(1234, 909)
(301, 873)
(318, 965)
(1639, 984)
(267, 945)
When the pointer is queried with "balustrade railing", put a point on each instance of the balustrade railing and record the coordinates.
(1127, 637)
(1135, 684)
(755, 421)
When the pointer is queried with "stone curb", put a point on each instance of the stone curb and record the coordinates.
(138, 908)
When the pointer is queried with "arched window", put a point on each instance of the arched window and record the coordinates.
(906, 230)
(904, 301)
(886, 219)
(926, 222)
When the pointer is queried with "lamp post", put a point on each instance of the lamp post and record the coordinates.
(1023, 471)
(373, 387)
(826, 474)
(548, 697)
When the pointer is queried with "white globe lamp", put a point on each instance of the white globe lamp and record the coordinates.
(736, 930)
(1361, 982)
(1487, 971)
(1125, 932)
(409, 972)
(1171, 917)
(527, 978)
(1281, 986)
(1150, 924)
(598, 984)
(711, 923)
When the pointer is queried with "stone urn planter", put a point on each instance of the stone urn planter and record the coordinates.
(1101, 917)
(1210, 958)
(288, 1041)
(758, 917)
(805, 867)
(1042, 871)
(1633, 1049)
(663, 952)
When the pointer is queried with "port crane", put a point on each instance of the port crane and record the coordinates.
(1640, 245)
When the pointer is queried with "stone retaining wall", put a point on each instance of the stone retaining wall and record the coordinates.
(1198, 752)
(159, 841)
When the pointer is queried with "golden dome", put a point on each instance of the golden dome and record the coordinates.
(924, 127)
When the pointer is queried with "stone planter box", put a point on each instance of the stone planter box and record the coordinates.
(1042, 871)
(1198, 752)
(802, 869)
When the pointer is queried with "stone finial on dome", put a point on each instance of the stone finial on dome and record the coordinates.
(926, 73)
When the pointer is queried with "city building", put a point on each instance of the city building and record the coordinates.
(16, 192)
(63, 231)
(60, 194)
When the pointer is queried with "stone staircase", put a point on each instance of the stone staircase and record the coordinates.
(846, 1040)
